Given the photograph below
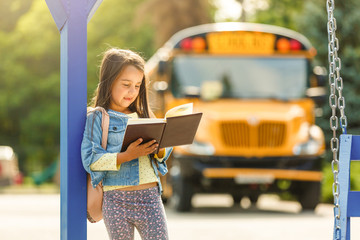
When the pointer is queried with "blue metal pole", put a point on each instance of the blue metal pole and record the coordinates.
(73, 100)
(71, 17)
(344, 181)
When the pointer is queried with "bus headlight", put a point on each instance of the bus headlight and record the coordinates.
(200, 148)
(313, 145)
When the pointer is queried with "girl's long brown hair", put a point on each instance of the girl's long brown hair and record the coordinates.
(113, 63)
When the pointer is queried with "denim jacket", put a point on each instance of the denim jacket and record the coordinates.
(91, 151)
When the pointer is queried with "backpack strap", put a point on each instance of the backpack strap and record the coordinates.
(105, 119)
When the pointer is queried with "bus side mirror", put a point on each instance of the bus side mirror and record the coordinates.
(317, 90)
(162, 67)
(160, 85)
(317, 94)
(319, 77)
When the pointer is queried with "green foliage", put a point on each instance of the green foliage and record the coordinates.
(113, 25)
(313, 23)
(280, 13)
(29, 103)
(171, 16)
(327, 184)
(30, 65)
(11, 11)
(30, 78)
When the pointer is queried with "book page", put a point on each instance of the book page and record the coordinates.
(180, 110)
(133, 121)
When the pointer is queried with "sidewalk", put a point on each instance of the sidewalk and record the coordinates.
(37, 217)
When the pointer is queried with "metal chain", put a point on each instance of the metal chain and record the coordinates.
(336, 83)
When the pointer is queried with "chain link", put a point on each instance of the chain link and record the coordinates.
(336, 87)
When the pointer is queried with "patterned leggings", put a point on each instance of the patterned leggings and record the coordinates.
(143, 209)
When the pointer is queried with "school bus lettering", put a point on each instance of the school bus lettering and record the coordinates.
(241, 43)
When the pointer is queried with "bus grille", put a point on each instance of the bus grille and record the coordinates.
(239, 134)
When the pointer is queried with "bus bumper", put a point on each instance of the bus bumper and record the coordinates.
(251, 170)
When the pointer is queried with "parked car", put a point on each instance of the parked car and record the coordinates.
(9, 167)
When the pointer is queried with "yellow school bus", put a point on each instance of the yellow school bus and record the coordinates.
(258, 92)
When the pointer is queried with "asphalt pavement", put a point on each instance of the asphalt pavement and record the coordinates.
(37, 217)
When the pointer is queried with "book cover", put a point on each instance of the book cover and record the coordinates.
(180, 130)
(177, 128)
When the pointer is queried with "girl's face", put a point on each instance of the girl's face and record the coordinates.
(125, 89)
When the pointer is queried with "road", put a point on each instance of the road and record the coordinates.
(36, 217)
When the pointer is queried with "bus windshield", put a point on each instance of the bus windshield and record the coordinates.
(240, 77)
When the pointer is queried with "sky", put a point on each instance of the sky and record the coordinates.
(231, 9)
(228, 9)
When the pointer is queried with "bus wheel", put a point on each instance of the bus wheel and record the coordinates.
(253, 198)
(237, 198)
(309, 195)
(182, 194)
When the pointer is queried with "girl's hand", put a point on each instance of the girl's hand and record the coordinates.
(136, 149)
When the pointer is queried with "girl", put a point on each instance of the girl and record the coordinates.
(130, 179)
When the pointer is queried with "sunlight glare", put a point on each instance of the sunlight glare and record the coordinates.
(227, 10)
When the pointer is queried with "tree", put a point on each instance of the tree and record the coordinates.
(281, 13)
(171, 16)
(313, 22)
(250, 7)
(114, 25)
(11, 11)
(30, 79)
(29, 103)
(30, 65)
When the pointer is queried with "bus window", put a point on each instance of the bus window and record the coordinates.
(279, 78)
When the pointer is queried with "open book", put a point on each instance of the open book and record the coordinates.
(177, 128)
